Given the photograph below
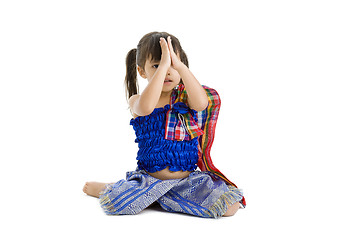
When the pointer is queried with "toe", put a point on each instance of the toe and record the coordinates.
(85, 188)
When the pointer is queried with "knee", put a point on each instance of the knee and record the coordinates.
(232, 209)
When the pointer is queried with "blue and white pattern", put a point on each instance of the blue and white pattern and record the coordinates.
(199, 194)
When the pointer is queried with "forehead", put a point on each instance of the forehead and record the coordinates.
(151, 61)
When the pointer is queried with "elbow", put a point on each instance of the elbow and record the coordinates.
(201, 106)
(148, 111)
(202, 102)
(145, 110)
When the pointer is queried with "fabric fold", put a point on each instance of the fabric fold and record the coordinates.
(200, 124)
(140, 190)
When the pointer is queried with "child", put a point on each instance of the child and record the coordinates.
(174, 122)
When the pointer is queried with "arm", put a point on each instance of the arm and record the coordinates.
(145, 103)
(197, 97)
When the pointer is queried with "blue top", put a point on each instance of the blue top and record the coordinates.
(155, 152)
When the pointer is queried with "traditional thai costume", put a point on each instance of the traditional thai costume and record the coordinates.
(180, 138)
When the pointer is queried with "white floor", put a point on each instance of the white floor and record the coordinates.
(54, 208)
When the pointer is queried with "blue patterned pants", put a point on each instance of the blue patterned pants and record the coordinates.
(199, 194)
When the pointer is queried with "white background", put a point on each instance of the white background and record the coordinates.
(288, 134)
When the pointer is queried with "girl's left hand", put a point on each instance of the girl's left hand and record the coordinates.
(176, 62)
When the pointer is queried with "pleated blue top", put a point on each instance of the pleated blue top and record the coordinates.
(155, 152)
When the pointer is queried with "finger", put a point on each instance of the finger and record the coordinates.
(164, 45)
(170, 44)
(161, 42)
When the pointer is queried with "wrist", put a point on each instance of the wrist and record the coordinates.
(181, 68)
(162, 68)
(160, 73)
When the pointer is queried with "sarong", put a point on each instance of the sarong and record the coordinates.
(200, 194)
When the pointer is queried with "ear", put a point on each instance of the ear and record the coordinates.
(141, 72)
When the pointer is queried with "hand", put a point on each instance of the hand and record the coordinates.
(165, 59)
(176, 62)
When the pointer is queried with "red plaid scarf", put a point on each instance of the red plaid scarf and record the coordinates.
(181, 125)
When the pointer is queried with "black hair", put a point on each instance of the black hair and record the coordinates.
(147, 48)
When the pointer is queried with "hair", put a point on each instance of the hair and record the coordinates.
(147, 48)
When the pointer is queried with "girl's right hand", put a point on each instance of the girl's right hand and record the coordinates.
(165, 60)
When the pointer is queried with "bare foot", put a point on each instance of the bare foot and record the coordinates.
(232, 209)
(93, 188)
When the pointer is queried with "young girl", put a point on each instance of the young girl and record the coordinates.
(174, 122)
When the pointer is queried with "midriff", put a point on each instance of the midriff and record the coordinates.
(165, 174)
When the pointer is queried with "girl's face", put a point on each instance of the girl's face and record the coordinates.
(171, 80)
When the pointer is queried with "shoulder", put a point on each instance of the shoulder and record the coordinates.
(132, 101)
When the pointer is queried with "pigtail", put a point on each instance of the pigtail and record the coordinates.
(131, 83)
